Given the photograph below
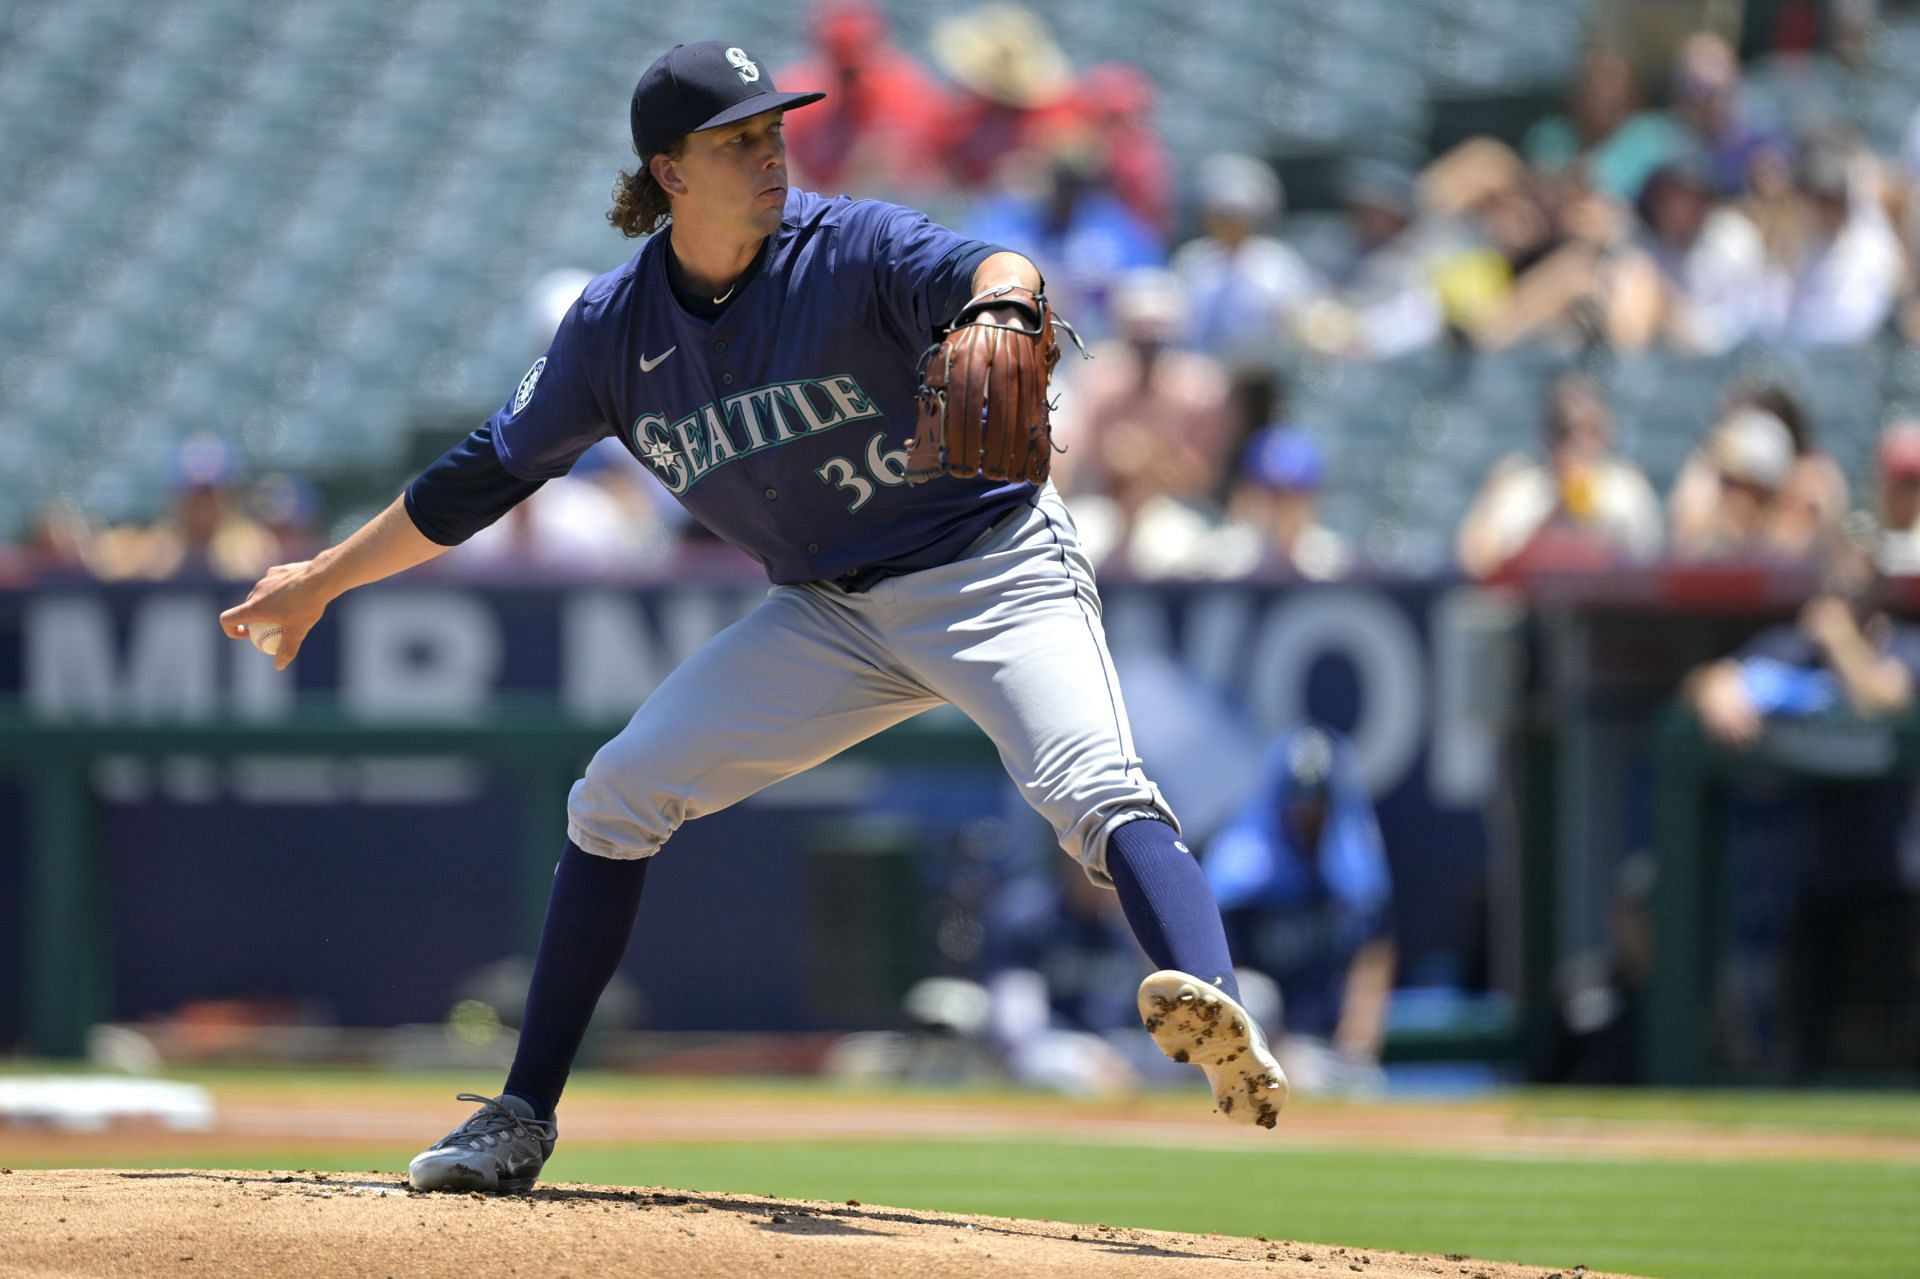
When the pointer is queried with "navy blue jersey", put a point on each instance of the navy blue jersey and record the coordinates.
(782, 425)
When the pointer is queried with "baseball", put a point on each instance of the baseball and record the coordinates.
(265, 638)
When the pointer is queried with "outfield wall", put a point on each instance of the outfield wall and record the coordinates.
(352, 887)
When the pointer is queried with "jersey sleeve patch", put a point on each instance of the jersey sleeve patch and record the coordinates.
(527, 383)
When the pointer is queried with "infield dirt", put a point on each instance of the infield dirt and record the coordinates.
(114, 1223)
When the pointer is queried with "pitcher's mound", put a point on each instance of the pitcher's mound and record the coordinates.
(99, 1222)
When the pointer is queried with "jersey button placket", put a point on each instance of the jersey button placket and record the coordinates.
(772, 493)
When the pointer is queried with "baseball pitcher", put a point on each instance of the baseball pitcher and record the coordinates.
(857, 398)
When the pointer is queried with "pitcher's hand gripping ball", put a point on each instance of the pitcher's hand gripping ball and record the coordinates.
(266, 637)
(983, 392)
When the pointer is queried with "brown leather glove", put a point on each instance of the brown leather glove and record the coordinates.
(983, 393)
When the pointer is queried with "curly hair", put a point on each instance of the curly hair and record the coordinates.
(640, 207)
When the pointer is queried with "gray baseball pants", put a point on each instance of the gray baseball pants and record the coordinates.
(1009, 633)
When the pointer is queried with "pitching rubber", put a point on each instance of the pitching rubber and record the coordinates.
(1199, 1024)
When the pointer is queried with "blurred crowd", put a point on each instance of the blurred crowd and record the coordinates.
(219, 523)
(1659, 210)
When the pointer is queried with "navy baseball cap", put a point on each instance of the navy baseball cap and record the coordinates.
(692, 87)
(1308, 775)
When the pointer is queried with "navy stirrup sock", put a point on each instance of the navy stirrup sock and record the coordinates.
(589, 922)
(1167, 902)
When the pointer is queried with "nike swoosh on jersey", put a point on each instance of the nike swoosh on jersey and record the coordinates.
(648, 366)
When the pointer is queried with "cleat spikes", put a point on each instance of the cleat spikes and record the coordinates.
(1198, 1025)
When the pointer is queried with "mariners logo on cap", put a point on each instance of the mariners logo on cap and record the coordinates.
(749, 69)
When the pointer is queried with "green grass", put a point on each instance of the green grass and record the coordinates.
(1695, 1219)
(1886, 1113)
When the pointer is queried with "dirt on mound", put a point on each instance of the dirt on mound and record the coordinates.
(109, 1223)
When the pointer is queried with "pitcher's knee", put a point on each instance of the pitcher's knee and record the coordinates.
(611, 814)
(1086, 840)
(591, 842)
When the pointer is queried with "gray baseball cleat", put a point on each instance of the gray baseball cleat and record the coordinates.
(1195, 1022)
(501, 1147)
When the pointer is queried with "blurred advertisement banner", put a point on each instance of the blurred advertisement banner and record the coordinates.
(361, 849)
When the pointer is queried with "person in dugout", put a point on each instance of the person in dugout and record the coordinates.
(1302, 880)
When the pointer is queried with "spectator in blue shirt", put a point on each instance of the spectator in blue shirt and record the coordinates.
(1707, 105)
(1083, 237)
